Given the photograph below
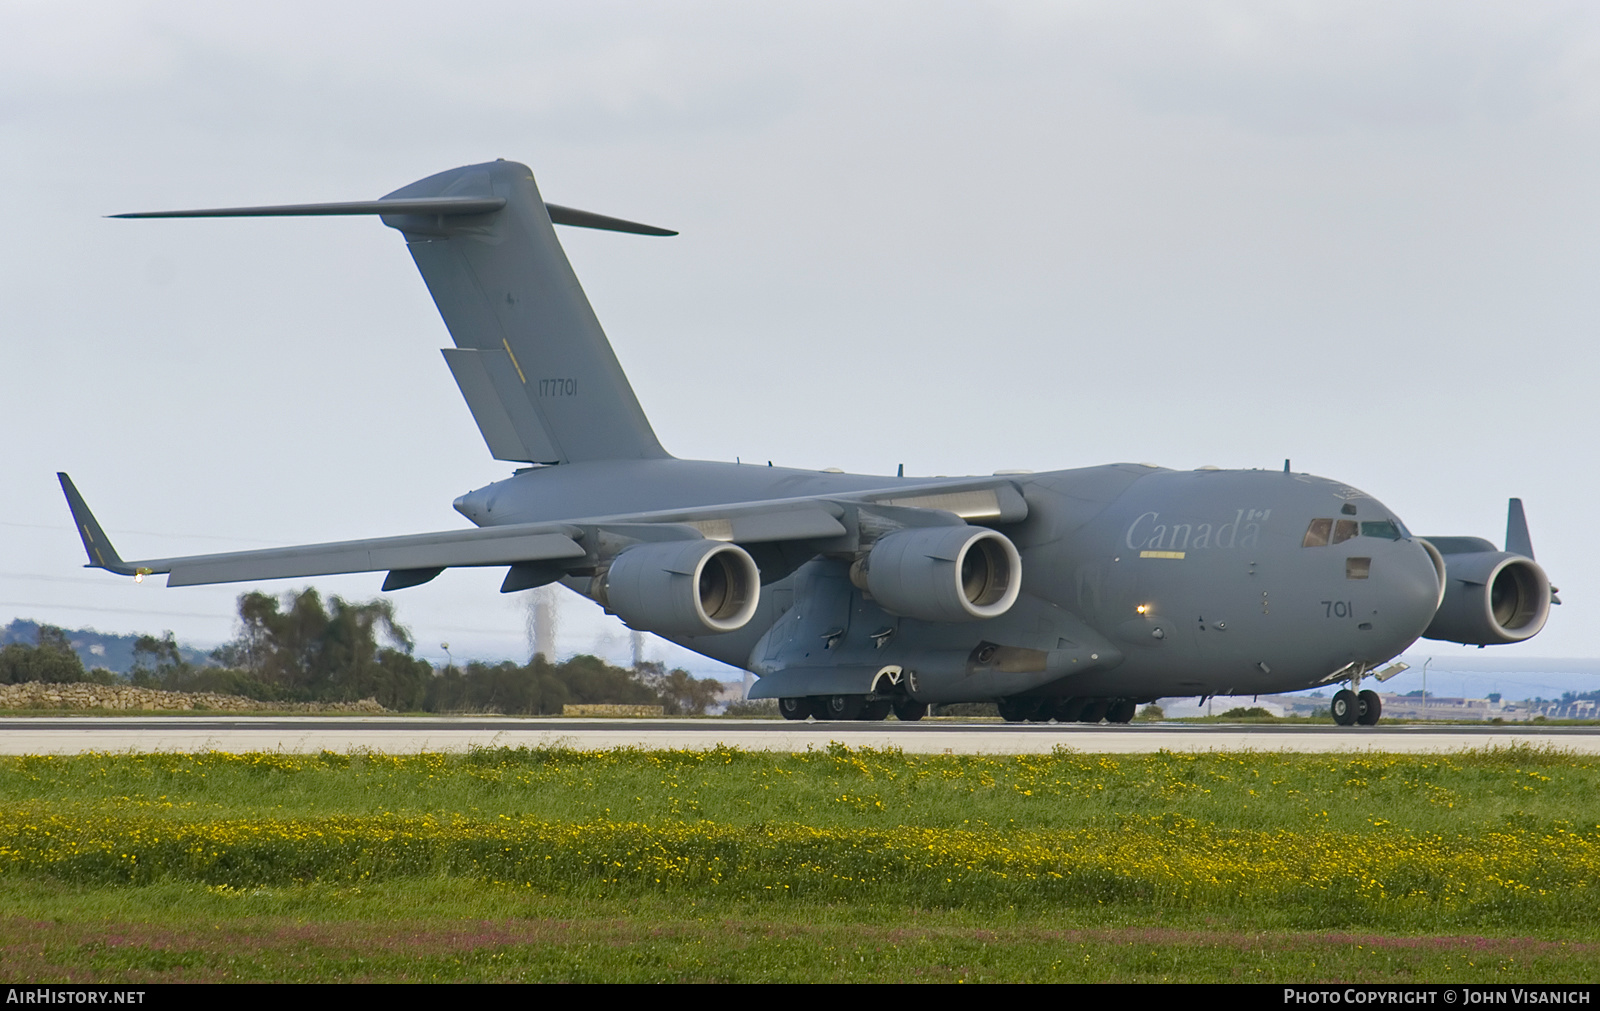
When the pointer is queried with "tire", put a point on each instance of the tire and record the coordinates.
(876, 710)
(1122, 711)
(910, 712)
(1017, 710)
(1068, 709)
(795, 709)
(1369, 707)
(1095, 711)
(843, 707)
(1346, 707)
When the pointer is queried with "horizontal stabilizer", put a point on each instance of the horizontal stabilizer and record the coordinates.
(588, 219)
(447, 206)
(425, 205)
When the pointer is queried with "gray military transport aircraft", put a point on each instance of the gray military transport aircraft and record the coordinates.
(1075, 595)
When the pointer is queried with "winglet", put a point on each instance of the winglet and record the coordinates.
(101, 554)
(1517, 540)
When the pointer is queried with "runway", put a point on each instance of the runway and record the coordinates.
(397, 735)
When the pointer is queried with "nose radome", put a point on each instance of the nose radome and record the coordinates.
(1412, 586)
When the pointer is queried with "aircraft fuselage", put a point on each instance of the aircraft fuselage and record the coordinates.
(1136, 581)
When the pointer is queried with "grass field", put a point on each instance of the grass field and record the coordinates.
(827, 865)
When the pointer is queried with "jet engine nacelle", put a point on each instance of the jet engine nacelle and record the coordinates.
(684, 587)
(1491, 597)
(954, 573)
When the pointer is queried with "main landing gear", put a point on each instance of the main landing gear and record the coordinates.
(1067, 709)
(862, 708)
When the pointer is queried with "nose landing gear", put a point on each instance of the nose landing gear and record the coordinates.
(1344, 707)
(1351, 707)
(1370, 706)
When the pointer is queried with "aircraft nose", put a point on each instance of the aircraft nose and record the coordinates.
(1411, 587)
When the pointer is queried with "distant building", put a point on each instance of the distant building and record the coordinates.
(1399, 707)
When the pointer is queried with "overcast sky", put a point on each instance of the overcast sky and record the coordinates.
(961, 237)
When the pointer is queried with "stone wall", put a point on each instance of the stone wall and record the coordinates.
(597, 710)
(43, 695)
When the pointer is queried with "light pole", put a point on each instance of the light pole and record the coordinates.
(452, 660)
(1425, 686)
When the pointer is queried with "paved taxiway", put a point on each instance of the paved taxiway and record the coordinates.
(74, 735)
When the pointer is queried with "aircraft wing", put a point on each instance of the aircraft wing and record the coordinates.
(487, 546)
(567, 545)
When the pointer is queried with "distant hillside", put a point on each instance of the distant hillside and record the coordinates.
(96, 649)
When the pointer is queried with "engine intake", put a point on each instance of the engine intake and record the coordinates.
(1490, 597)
(954, 573)
(684, 587)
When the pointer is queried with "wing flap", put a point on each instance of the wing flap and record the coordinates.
(755, 526)
(420, 551)
(997, 503)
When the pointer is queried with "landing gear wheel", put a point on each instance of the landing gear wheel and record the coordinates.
(877, 709)
(842, 707)
(1017, 710)
(910, 712)
(795, 709)
(1122, 711)
(1069, 709)
(1370, 708)
(1095, 711)
(1345, 707)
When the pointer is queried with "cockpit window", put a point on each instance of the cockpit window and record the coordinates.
(1317, 534)
(1323, 532)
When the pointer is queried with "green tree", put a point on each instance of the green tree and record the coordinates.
(156, 661)
(539, 687)
(51, 660)
(592, 681)
(681, 693)
(304, 649)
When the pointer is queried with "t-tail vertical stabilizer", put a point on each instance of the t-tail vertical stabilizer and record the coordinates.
(537, 371)
(531, 359)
